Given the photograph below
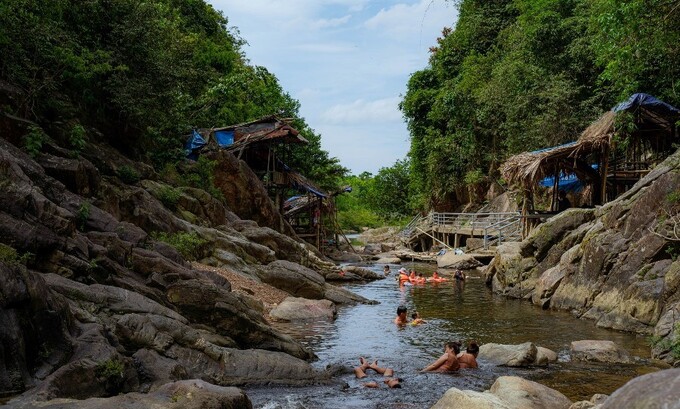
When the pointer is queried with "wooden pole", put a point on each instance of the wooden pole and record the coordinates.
(604, 170)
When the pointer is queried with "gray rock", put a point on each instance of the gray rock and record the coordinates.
(455, 398)
(508, 392)
(300, 309)
(658, 390)
(457, 261)
(187, 394)
(509, 355)
(521, 393)
(544, 356)
(294, 279)
(598, 351)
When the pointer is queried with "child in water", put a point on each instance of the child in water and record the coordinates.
(416, 320)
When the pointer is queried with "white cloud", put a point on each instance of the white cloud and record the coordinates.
(404, 20)
(326, 48)
(379, 111)
(331, 22)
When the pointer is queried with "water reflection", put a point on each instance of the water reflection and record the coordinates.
(453, 311)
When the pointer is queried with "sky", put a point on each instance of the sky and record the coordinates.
(347, 62)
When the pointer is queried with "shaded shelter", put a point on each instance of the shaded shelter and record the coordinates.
(613, 153)
(262, 144)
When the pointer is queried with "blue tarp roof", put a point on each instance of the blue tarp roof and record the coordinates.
(649, 102)
(568, 183)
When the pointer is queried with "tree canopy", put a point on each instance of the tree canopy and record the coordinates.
(142, 73)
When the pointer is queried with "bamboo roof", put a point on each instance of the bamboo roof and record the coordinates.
(529, 168)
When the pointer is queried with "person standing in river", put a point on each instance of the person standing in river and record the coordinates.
(448, 362)
(402, 318)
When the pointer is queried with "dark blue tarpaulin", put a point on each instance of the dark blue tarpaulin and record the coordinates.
(568, 183)
(649, 102)
(224, 138)
(194, 142)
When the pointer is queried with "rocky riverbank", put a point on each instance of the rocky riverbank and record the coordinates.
(616, 264)
(95, 304)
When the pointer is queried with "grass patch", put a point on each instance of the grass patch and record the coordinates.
(189, 245)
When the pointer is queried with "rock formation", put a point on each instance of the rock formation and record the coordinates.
(616, 264)
(94, 304)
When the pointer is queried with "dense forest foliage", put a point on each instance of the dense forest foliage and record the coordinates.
(518, 75)
(140, 75)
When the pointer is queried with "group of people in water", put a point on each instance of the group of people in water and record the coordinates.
(451, 360)
(411, 277)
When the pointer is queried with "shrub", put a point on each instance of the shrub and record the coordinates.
(201, 176)
(34, 139)
(10, 256)
(189, 245)
(77, 138)
(128, 174)
(82, 215)
(110, 368)
(169, 196)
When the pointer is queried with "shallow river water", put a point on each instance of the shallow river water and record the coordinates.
(452, 312)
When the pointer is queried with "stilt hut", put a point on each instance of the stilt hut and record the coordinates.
(262, 144)
(611, 155)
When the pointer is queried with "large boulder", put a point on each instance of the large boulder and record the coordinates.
(35, 325)
(508, 355)
(658, 390)
(455, 398)
(187, 394)
(520, 393)
(508, 392)
(457, 261)
(294, 279)
(599, 351)
(301, 309)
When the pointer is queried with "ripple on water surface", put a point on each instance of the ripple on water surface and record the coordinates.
(452, 312)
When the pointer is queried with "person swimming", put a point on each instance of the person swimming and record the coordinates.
(401, 318)
(386, 270)
(436, 278)
(403, 276)
(416, 320)
(360, 373)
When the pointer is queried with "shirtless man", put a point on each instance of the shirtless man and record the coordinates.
(447, 362)
(401, 319)
(468, 359)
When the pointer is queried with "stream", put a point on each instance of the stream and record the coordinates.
(452, 312)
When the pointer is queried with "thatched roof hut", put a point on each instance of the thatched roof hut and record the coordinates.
(607, 156)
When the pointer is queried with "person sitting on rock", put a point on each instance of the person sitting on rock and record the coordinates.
(468, 359)
(448, 362)
(401, 318)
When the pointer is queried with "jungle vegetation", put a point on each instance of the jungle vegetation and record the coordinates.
(139, 75)
(519, 75)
